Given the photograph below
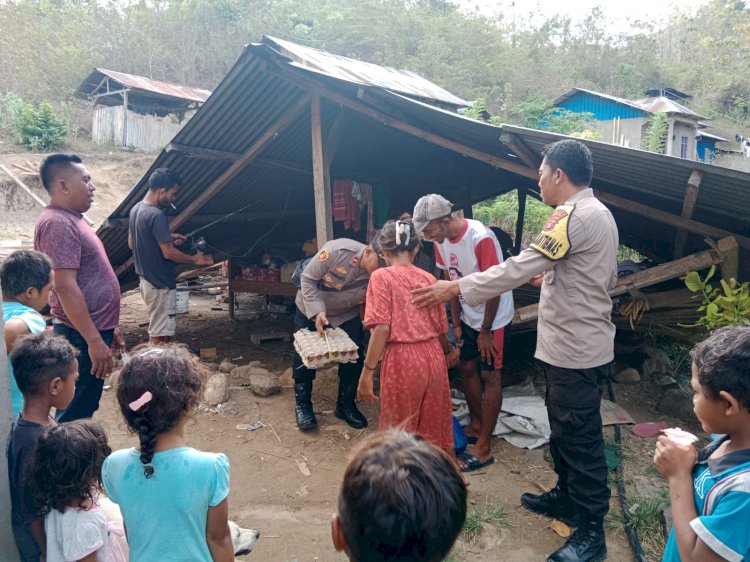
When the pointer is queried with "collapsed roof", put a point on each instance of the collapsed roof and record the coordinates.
(249, 149)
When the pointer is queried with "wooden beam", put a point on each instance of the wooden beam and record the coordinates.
(520, 218)
(688, 206)
(669, 218)
(321, 178)
(521, 149)
(491, 159)
(125, 118)
(122, 223)
(224, 156)
(203, 153)
(334, 137)
(23, 186)
(251, 153)
(674, 269)
(271, 133)
(105, 94)
(652, 276)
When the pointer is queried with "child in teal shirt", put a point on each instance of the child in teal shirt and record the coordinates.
(26, 278)
(173, 498)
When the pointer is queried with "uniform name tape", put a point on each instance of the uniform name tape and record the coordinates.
(553, 240)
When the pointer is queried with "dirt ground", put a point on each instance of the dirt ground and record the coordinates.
(268, 490)
(113, 174)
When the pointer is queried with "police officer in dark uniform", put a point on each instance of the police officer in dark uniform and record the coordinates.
(333, 286)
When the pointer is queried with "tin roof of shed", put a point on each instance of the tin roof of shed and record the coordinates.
(404, 148)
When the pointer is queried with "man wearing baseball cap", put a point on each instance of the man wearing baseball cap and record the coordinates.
(462, 247)
(577, 251)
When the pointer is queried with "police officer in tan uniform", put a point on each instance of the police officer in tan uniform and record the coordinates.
(333, 285)
(577, 251)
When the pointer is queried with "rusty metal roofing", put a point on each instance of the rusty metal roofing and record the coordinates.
(157, 87)
(665, 105)
(403, 147)
(365, 73)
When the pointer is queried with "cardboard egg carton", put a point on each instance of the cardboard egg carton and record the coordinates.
(316, 352)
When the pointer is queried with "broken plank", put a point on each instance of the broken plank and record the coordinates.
(726, 248)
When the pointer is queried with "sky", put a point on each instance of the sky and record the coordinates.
(617, 12)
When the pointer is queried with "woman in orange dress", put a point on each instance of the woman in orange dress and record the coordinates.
(414, 391)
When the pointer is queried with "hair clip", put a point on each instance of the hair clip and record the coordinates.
(145, 398)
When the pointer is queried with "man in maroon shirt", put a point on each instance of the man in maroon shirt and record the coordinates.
(85, 298)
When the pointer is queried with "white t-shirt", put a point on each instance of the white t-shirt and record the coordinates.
(75, 534)
(475, 249)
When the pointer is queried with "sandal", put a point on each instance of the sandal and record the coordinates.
(472, 462)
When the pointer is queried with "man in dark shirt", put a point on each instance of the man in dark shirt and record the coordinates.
(155, 254)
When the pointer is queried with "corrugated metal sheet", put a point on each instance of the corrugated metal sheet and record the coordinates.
(668, 106)
(574, 91)
(360, 72)
(143, 84)
(603, 108)
(263, 86)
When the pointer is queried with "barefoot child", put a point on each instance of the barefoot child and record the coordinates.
(710, 489)
(173, 498)
(414, 392)
(401, 499)
(66, 475)
(46, 370)
(26, 277)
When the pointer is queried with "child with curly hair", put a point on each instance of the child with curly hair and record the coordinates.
(173, 498)
(414, 391)
(66, 477)
(46, 369)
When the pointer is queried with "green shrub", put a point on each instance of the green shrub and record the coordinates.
(725, 306)
(11, 108)
(40, 128)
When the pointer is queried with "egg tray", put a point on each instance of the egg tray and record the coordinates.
(316, 352)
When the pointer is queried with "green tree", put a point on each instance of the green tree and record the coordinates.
(39, 127)
(656, 135)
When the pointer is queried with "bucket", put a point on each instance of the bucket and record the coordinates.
(182, 302)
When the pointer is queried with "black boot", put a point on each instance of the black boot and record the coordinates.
(586, 544)
(303, 409)
(345, 408)
(555, 503)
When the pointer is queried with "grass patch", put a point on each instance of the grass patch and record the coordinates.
(495, 515)
(646, 515)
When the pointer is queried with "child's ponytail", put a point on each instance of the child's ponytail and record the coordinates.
(157, 387)
(147, 438)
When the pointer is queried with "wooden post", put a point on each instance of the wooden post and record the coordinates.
(467, 206)
(232, 297)
(321, 178)
(728, 248)
(6, 415)
(688, 206)
(125, 118)
(522, 192)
